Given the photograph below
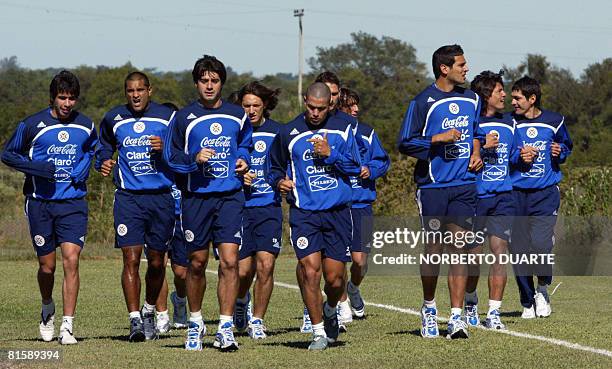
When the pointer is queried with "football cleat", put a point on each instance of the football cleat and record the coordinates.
(471, 315)
(256, 329)
(429, 322)
(457, 328)
(306, 323)
(136, 330)
(542, 306)
(241, 319)
(195, 332)
(224, 339)
(493, 321)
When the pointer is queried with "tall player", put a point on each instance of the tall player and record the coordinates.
(439, 129)
(536, 193)
(321, 153)
(495, 204)
(209, 142)
(375, 164)
(54, 149)
(144, 206)
(263, 217)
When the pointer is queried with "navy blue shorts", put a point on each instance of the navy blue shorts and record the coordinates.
(177, 252)
(262, 230)
(447, 205)
(494, 215)
(362, 229)
(143, 219)
(328, 231)
(215, 218)
(55, 222)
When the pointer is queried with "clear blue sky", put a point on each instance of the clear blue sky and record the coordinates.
(170, 35)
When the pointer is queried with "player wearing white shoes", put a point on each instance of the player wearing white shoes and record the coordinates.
(263, 218)
(495, 206)
(54, 149)
(440, 129)
(208, 145)
(321, 152)
(375, 164)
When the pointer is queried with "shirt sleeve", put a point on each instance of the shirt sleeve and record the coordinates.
(411, 141)
(81, 172)
(379, 160)
(107, 145)
(245, 140)
(174, 149)
(276, 165)
(15, 155)
(345, 156)
(563, 139)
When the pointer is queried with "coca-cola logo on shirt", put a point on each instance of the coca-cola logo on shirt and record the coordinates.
(221, 141)
(137, 141)
(69, 149)
(459, 122)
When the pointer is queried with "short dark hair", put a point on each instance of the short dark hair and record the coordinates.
(445, 55)
(65, 82)
(328, 77)
(266, 94)
(529, 86)
(347, 98)
(208, 63)
(484, 84)
(136, 76)
(171, 105)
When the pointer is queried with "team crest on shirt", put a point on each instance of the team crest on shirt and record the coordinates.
(122, 230)
(260, 146)
(434, 224)
(532, 132)
(63, 136)
(189, 236)
(139, 127)
(216, 128)
(39, 240)
(453, 108)
(302, 243)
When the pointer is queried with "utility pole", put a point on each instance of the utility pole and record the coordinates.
(300, 13)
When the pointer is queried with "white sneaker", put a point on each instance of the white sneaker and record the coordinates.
(256, 329)
(542, 307)
(306, 323)
(357, 304)
(528, 313)
(195, 332)
(345, 315)
(163, 322)
(224, 339)
(47, 328)
(66, 337)
(493, 321)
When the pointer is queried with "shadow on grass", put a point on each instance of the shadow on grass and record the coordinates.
(303, 345)
(512, 314)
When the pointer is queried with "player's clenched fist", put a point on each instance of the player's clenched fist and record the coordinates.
(107, 167)
(241, 167)
(249, 177)
(156, 143)
(475, 163)
(528, 154)
(450, 136)
(555, 149)
(204, 155)
(321, 146)
(285, 185)
(491, 141)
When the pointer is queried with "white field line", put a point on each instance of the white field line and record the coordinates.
(553, 341)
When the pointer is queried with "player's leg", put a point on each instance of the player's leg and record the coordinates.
(246, 273)
(46, 279)
(310, 268)
(70, 290)
(162, 317)
(497, 282)
(264, 284)
(471, 296)
(179, 263)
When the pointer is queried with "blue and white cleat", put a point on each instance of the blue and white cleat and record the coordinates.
(306, 323)
(179, 311)
(429, 322)
(330, 323)
(256, 329)
(137, 333)
(457, 328)
(357, 304)
(493, 321)
(471, 315)
(318, 343)
(224, 339)
(241, 319)
(149, 325)
(195, 332)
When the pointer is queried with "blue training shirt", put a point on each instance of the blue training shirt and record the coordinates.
(260, 193)
(54, 155)
(138, 168)
(320, 183)
(432, 112)
(373, 156)
(494, 177)
(225, 129)
(540, 133)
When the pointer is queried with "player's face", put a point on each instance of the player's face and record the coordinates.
(63, 104)
(458, 71)
(352, 109)
(497, 98)
(520, 103)
(316, 109)
(335, 93)
(137, 94)
(254, 107)
(209, 87)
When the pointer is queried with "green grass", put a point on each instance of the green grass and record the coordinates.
(386, 339)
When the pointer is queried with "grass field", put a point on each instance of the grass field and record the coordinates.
(388, 338)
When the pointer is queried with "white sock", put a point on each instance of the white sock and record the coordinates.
(430, 304)
(224, 319)
(471, 298)
(146, 308)
(161, 313)
(494, 305)
(328, 310)
(135, 314)
(67, 322)
(196, 317)
(318, 330)
(48, 310)
(456, 311)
